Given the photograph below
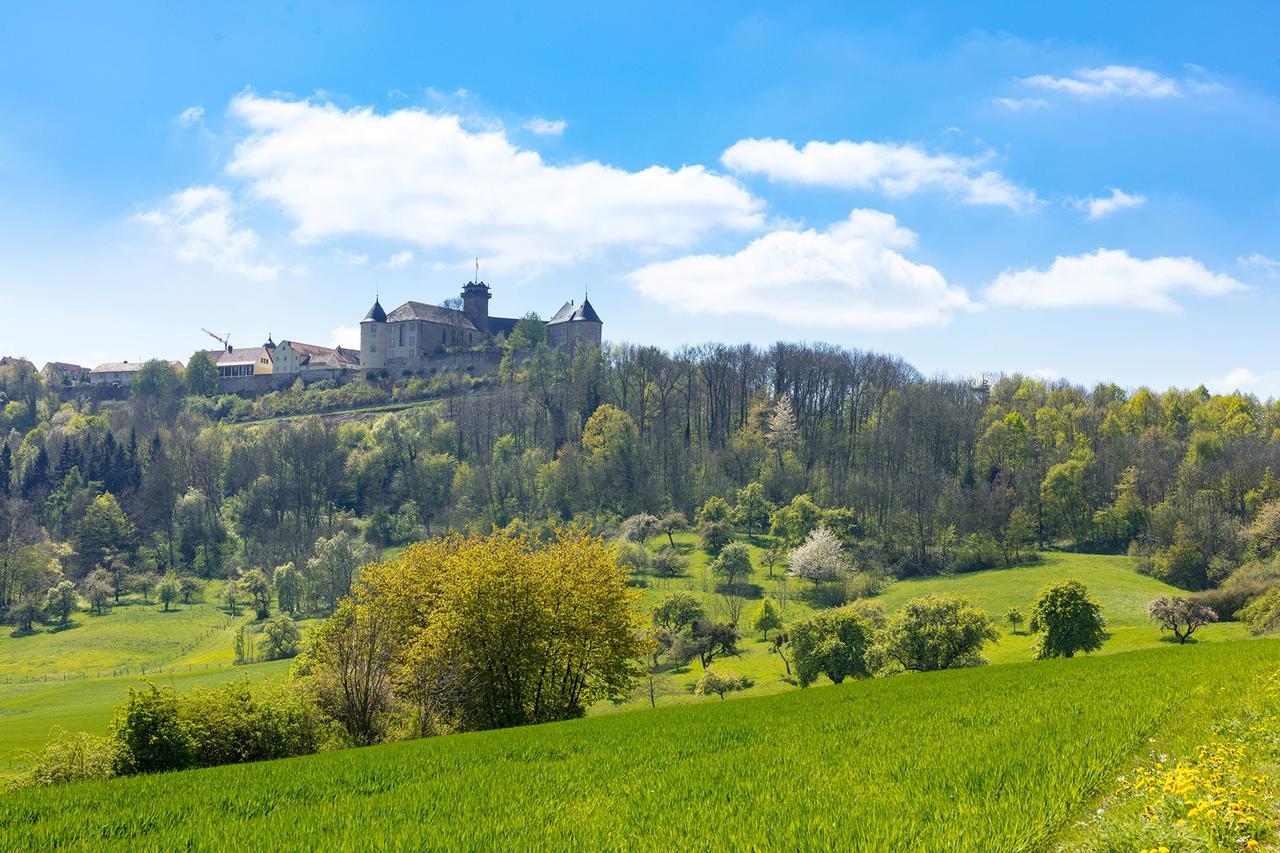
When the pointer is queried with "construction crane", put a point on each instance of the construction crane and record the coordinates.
(224, 340)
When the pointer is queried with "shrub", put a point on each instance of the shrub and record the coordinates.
(71, 757)
(148, 729)
(713, 681)
(1262, 615)
(715, 536)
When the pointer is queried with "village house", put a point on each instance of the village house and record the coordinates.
(64, 373)
(120, 373)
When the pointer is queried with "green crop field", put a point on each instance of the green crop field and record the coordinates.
(1003, 757)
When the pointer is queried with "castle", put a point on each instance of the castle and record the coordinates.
(409, 336)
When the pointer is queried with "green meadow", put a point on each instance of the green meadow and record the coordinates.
(41, 683)
(992, 758)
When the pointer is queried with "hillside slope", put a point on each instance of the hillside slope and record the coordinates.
(1002, 757)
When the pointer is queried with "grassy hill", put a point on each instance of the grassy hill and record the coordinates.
(1003, 757)
(74, 677)
(193, 645)
(1123, 593)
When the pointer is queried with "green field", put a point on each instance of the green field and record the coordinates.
(193, 645)
(1123, 593)
(1003, 757)
(74, 678)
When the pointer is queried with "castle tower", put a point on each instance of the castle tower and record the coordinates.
(374, 338)
(475, 304)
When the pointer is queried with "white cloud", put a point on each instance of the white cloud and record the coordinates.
(1019, 105)
(852, 274)
(191, 116)
(893, 169)
(545, 127)
(423, 178)
(398, 260)
(1096, 208)
(1046, 374)
(1109, 277)
(1265, 384)
(198, 223)
(345, 336)
(1111, 81)
(1269, 267)
(352, 259)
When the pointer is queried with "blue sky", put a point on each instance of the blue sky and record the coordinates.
(1087, 192)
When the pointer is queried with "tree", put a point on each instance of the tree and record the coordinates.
(752, 510)
(1180, 615)
(104, 530)
(934, 632)
(831, 642)
(255, 585)
(233, 596)
(670, 524)
(1067, 620)
(283, 637)
(1015, 619)
(820, 558)
(638, 528)
(288, 584)
(714, 511)
(667, 563)
(678, 610)
(795, 521)
(98, 589)
(201, 375)
(188, 586)
(504, 629)
(168, 590)
(715, 536)
(707, 639)
(767, 617)
(772, 554)
(25, 614)
(333, 567)
(733, 563)
(1062, 494)
(714, 681)
(61, 601)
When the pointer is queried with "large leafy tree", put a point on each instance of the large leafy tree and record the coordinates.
(201, 375)
(1067, 620)
(832, 643)
(501, 630)
(934, 632)
(104, 530)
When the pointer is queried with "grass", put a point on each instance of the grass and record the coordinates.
(1122, 592)
(75, 677)
(993, 758)
(132, 636)
(29, 712)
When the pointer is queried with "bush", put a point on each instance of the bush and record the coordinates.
(977, 551)
(71, 757)
(1262, 615)
(713, 681)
